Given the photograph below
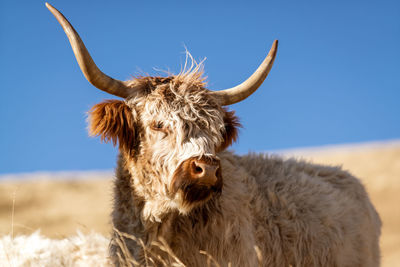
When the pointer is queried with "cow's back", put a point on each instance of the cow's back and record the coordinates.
(307, 214)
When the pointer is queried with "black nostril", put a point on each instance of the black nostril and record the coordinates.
(198, 169)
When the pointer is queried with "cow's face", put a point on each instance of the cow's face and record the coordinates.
(170, 136)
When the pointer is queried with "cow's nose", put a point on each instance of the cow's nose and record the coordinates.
(205, 172)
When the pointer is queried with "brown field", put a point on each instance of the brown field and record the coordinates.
(61, 206)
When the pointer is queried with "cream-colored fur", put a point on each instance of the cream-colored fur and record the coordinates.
(295, 213)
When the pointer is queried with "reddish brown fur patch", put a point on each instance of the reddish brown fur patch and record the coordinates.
(231, 129)
(112, 120)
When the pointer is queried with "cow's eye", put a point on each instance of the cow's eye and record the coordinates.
(157, 126)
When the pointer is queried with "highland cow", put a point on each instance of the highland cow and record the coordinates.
(176, 182)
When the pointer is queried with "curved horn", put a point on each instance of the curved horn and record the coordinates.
(86, 63)
(245, 89)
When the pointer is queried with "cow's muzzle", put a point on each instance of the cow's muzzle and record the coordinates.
(198, 178)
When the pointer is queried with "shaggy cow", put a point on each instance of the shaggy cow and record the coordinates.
(175, 180)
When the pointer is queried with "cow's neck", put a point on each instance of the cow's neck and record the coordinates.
(129, 212)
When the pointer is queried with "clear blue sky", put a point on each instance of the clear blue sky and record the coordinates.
(336, 78)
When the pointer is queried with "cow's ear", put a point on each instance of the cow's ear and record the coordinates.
(113, 121)
(231, 123)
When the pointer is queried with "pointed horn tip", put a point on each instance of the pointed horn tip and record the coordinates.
(52, 9)
(275, 45)
(273, 50)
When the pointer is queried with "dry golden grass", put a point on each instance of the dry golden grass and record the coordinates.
(59, 207)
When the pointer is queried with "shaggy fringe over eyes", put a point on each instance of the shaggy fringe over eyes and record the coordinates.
(113, 120)
(230, 134)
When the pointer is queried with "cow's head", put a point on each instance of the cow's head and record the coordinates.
(169, 129)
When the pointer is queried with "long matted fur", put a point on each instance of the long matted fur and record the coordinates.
(294, 213)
